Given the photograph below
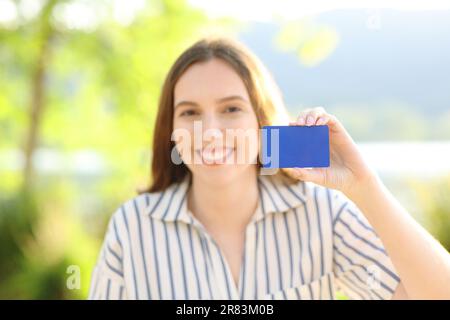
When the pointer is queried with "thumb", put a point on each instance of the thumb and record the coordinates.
(312, 175)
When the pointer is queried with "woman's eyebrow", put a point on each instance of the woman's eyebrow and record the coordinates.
(187, 103)
(234, 97)
(194, 104)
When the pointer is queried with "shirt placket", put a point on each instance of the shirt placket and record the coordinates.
(215, 264)
(248, 261)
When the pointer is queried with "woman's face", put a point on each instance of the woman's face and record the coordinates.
(215, 126)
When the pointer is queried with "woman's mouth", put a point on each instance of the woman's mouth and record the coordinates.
(215, 156)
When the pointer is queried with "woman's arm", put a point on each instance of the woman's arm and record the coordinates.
(421, 262)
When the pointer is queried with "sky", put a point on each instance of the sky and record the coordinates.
(294, 9)
(86, 14)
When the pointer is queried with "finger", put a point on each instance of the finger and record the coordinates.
(322, 120)
(333, 123)
(310, 119)
(321, 116)
(301, 119)
(314, 115)
(309, 116)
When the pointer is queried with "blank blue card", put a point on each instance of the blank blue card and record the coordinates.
(295, 146)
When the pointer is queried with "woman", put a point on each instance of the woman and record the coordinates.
(213, 227)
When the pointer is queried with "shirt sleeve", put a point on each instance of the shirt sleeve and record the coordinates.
(107, 281)
(362, 267)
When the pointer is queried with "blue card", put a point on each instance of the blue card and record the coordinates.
(295, 146)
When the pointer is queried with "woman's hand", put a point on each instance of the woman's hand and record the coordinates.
(347, 171)
(421, 262)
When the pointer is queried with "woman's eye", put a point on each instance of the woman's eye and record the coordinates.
(187, 113)
(232, 109)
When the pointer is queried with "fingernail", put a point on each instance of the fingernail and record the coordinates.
(301, 121)
(319, 121)
(309, 120)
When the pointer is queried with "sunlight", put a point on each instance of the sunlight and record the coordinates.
(292, 9)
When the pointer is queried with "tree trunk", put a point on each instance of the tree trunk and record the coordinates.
(38, 93)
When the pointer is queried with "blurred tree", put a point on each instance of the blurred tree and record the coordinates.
(44, 34)
(433, 198)
(311, 42)
(103, 79)
(78, 75)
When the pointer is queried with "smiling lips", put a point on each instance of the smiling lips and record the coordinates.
(214, 156)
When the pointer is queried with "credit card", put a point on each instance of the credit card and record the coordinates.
(295, 147)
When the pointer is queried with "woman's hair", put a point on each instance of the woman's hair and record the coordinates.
(264, 94)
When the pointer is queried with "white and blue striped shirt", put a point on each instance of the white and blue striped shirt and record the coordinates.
(304, 242)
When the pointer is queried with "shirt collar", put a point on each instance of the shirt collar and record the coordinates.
(275, 195)
(171, 203)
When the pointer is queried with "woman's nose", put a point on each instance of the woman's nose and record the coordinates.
(212, 128)
(211, 122)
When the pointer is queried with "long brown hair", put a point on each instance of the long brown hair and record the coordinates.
(264, 94)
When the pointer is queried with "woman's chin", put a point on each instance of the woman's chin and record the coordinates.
(220, 173)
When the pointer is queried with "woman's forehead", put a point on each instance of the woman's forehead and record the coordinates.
(214, 79)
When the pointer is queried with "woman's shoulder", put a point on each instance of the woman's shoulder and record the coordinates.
(150, 203)
(134, 205)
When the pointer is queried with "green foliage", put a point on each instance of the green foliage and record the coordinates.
(18, 213)
(385, 121)
(101, 89)
(39, 241)
(434, 199)
(311, 42)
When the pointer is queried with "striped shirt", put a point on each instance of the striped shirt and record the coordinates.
(304, 241)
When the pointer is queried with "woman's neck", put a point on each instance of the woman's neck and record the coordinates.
(228, 207)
